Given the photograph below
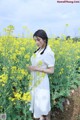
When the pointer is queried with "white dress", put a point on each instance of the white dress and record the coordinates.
(40, 102)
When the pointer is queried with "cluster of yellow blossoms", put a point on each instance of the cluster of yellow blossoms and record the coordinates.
(15, 56)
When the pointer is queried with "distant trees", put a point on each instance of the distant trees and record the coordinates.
(75, 39)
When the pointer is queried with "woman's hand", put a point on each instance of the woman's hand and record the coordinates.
(32, 68)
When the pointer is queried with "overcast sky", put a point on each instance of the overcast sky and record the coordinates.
(40, 14)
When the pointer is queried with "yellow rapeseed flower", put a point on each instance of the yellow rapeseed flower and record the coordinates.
(3, 78)
(17, 95)
(34, 56)
(23, 72)
(61, 71)
(27, 56)
(40, 63)
(26, 97)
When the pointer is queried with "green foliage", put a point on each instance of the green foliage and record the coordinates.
(66, 74)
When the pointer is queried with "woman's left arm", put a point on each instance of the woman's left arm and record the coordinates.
(48, 70)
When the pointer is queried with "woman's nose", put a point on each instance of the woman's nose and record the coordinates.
(37, 43)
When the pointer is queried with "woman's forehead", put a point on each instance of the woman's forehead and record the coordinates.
(36, 37)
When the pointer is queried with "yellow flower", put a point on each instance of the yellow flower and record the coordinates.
(61, 71)
(27, 56)
(13, 56)
(23, 72)
(43, 75)
(13, 69)
(34, 56)
(27, 65)
(37, 83)
(22, 49)
(4, 78)
(17, 95)
(40, 63)
(12, 99)
(78, 57)
(3, 85)
(17, 52)
(26, 97)
(19, 77)
(30, 77)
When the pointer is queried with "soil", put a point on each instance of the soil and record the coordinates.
(71, 108)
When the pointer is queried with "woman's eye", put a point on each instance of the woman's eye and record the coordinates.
(38, 39)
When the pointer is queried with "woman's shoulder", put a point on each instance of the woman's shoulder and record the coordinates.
(49, 50)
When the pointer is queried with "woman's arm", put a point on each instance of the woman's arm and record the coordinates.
(49, 70)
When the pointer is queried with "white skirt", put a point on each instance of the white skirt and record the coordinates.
(40, 102)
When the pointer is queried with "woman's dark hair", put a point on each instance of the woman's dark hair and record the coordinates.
(42, 34)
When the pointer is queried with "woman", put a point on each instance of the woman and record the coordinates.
(42, 64)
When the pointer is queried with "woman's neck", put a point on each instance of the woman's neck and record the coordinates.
(43, 46)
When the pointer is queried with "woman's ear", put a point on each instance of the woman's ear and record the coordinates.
(44, 40)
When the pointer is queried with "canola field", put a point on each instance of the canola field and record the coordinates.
(15, 79)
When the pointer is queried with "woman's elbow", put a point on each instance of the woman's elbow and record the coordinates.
(51, 71)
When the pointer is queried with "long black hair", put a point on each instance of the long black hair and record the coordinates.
(42, 34)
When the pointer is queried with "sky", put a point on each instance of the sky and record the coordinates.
(40, 14)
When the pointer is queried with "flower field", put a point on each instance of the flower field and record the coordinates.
(15, 79)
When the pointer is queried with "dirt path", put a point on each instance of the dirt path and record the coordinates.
(72, 110)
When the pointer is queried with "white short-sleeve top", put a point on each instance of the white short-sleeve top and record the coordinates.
(46, 59)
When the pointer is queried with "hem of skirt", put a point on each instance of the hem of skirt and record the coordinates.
(46, 113)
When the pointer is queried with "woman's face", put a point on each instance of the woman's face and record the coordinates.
(40, 42)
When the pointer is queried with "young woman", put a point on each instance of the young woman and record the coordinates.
(42, 64)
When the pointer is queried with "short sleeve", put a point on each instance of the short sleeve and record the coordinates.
(49, 59)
